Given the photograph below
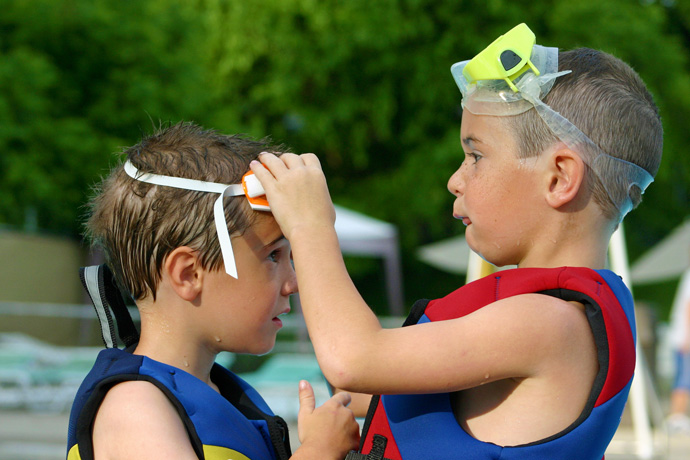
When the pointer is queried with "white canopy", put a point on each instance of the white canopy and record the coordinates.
(450, 255)
(362, 235)
(665, 261)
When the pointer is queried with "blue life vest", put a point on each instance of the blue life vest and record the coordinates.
(424, 427)
(235, 424)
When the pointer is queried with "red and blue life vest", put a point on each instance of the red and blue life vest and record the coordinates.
(424, 427)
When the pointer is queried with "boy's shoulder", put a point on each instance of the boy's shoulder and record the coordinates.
(134, 407)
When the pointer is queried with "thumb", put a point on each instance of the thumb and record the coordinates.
(307, 402)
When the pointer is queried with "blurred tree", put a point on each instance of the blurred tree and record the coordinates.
(79, 79)
(365, 84)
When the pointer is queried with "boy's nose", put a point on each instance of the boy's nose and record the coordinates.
(290, 285)
(455, 183)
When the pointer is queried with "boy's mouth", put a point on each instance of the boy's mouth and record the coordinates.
(276, 319)
(465, 220)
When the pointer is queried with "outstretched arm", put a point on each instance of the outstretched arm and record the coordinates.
(300, 202)
(521, 336)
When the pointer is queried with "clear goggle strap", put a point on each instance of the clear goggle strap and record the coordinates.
(533, 86)
(623, 173)
(633, 175)
(222, 190)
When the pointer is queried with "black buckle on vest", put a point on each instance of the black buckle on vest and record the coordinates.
(377, 450)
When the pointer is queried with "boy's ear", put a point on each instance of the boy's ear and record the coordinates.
(184, 271)
(566, 175)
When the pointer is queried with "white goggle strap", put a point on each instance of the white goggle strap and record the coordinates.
(200, 186)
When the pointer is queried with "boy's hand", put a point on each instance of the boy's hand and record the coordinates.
(329, 431)
(296, 190)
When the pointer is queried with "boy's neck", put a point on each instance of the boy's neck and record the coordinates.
(577, 240)
(167, 337)
(593, 257)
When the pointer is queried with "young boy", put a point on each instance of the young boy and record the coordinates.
(534, 362)
(199, 292)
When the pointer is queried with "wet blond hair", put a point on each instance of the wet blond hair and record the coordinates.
(138, 224)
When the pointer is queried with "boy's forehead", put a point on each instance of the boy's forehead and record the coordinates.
(264, 232)
(484, 129)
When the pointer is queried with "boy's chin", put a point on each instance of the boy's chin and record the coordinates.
(265, 348)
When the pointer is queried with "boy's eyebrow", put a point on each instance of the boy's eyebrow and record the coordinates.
(469, 141)
(281, 237)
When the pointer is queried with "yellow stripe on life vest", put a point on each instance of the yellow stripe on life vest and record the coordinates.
(222, 453)
(210, 452)
(73, 453)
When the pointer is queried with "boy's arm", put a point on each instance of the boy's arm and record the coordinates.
(137, 421)
(522, 336)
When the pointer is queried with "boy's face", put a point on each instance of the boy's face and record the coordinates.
(245, 311)
(495, 191)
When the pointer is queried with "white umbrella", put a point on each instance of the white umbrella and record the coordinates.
(665, 261)
(450, 255)
(362, 235)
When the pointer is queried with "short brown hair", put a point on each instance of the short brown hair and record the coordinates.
(138, 224)
(608, 101)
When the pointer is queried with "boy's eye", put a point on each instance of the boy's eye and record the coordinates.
(476, 157)
(274, 255)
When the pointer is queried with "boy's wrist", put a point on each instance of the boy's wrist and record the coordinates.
(311, 233)
(315, 451)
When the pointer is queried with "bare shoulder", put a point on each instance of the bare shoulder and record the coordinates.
(137, 421)
(552, 309)
(547, 320)
(538, 334)
(559, 335)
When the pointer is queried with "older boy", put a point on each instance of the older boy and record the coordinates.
(534, 362)
(201, 289)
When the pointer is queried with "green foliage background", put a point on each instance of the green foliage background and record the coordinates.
(364, 84)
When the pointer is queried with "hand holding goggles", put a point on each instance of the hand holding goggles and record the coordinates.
(250, 187)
